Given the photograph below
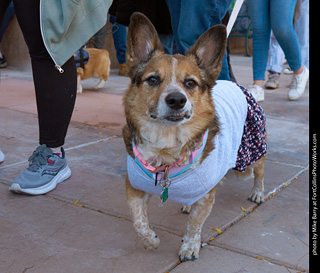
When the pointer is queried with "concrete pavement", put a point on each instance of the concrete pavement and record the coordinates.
(84, 225)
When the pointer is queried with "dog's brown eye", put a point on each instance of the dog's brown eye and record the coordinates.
(190, 84)
(153, 81)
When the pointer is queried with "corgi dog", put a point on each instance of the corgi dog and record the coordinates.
(98, 66)
(185, 130)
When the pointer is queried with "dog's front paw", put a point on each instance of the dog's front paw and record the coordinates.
(190, 248)
(151, 241)
(256, 196)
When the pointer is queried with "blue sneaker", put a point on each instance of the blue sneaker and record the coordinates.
(2, 157)
(46, 169)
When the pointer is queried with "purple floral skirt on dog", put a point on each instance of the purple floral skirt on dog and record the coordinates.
(253, 144)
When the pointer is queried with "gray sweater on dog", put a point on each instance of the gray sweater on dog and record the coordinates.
(231, 109)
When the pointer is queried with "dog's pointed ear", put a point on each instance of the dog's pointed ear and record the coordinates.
(142, 40)
(210, 49)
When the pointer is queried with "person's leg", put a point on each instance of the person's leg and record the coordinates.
(3, 8)
(224, 73)
(259, 12)
(120, 42)
(174, 7)
(302, 30)
(282, 25)
(276, 56)
(281, 15)
(55, 92)
(9, 13)
(194, 20)
(166, 41)
(219, 12)
(4, 4)
(275, 63)
(190, 19)
(55, 96)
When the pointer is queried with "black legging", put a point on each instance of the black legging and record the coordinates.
(55, 92)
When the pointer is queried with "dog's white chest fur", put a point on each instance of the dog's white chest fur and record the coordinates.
(159, 138)
(231, 109)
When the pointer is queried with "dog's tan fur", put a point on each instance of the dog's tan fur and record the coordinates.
(162, 141)
(98, 66)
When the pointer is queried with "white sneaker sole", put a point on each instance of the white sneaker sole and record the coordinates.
(60, 177)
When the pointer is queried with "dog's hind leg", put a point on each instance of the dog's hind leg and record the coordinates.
(192, 240)
(257, 193)
(100, 84)
(104, 77)
(138, 202)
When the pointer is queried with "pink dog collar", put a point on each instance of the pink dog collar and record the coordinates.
(177, 167)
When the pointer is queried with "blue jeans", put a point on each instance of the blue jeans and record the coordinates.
(6, 20)
(167, 42)
(120, 42)
(190, 19)
(278, 16)
(276, 56)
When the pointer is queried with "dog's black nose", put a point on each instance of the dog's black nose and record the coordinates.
(176, 100)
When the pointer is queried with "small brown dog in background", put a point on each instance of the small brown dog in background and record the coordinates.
(98, 66)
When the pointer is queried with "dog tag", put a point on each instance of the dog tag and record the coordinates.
(165, 183)
(164, 195)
